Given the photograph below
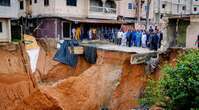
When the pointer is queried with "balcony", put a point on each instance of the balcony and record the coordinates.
(102, 12)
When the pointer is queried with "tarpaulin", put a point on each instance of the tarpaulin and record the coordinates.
(32, 49)
(90, 54)
(64, 56)
(33, 56)
(30, 42)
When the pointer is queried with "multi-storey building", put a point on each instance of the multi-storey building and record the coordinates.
(8, 10)
(129, 9)
(58, 17)
(195, 6)
(171, 7)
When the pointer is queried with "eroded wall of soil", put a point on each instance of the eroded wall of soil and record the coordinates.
(15, 83)
(49, 70)
(111, 83)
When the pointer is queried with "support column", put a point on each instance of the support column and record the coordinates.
(104, 2)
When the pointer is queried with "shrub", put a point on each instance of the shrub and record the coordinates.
(178, 89)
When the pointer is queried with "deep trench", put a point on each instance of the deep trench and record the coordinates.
(110, 84)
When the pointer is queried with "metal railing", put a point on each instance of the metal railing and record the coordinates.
(103, 9)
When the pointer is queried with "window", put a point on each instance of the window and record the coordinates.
(21, 5)
(146, 8)
(4, 2)
(184, 8)
(30, 2)
(71, 2)
(195, 8)
(46, 2)
(130, 6)
(163, 6)
(1, 30)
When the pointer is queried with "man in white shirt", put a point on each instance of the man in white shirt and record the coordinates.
(119, 37)
(144, 38)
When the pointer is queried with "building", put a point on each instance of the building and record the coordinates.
(56, 18)
(8, 10)
(129, 9)
(192, 32)
(53, 18)
(195, 6)
(166, 8)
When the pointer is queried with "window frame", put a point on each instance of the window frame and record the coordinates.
(1, 27)
(74, 5)
(21, 5)
(3, 3)
(130, 6)
(46, 3)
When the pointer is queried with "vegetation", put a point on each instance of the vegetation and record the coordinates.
(178, 89)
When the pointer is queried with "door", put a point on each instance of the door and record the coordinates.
(4, 30)
(66, 30)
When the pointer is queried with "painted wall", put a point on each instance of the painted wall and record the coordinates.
(195, 4)
(192, 33)
(5, 35)
(124, 11)
(59, 8)
(39, 8)
(10, 11)
(123, 8)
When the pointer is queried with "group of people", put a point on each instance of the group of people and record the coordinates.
(93, 33)
(125, 36)
(140, 38)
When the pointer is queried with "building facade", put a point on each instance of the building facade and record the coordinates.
(195, 6)
(8, 10)
(166, 8)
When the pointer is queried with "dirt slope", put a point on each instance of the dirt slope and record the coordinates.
(88, 91)
(49, 70)
(15, 84)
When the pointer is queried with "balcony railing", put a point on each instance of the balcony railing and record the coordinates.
(102, 9)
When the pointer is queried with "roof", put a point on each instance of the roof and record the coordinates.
(91, 20)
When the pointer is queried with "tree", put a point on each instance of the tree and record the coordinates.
(178, 89)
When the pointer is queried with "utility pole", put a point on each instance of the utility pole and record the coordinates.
(139, 10)
(147, 13)
(159, 11)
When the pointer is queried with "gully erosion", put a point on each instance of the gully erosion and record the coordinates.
(113, 82)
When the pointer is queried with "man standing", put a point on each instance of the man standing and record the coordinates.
(144, 38)
(119, 37)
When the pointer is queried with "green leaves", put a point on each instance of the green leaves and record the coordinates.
(180, 85)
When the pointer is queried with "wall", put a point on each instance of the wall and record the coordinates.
(39, 8)
(123, 8)
(195, 4)
(124, 11)
(5, 36)
(81, 10)
(10, 11)
(192, 33)
(59, 8)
